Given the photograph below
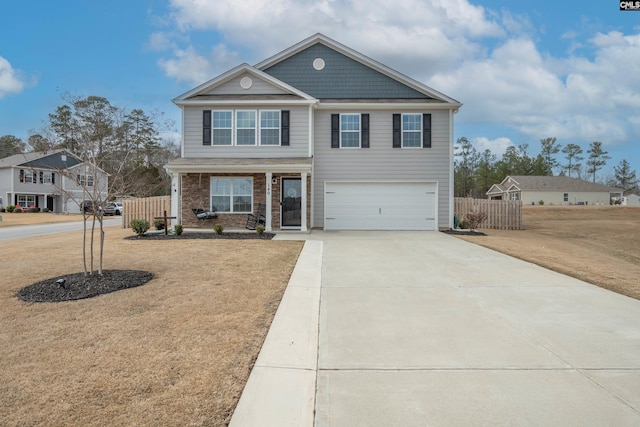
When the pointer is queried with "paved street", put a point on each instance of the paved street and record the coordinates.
(24, 231)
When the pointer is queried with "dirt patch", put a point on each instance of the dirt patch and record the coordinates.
(176, 351)
(597, 244)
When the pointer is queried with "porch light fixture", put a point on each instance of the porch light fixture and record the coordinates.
(274, 180)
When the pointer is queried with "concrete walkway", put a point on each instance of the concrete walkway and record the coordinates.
(420, 328)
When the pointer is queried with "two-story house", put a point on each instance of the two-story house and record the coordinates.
(56, 180)
(323, 137)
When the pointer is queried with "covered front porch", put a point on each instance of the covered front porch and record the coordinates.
(235, 188)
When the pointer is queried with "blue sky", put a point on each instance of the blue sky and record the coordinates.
(524, 70)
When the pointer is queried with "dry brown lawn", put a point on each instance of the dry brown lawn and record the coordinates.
(597, 244)
(176, 351)
(29, 218)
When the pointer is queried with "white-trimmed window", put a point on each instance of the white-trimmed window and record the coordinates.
(566, 197)
(222, 127)
(85, 180)
(514, 196)
(232, 195)
(270, 127)
(28, 176)
(47, 177)
(349, 130)
(245, 127)
(412, 131)
(26, 200)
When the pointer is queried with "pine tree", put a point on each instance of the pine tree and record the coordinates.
(597, 158)
(573, 156)
(625, 177)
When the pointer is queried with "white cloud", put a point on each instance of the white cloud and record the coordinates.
(187, 66)
(10, 80)
(497, 146)
(161, 41)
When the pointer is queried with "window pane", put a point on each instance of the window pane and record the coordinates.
(411, 139)
(222, 119)
(242, 204)
(269, 119)
(246, 137)
(350, 139)
(246, 119)
(220, 203)
(411, 122)
(221, 186)
(350, 122)
(221, 136)
(270, 137)
(242, 186)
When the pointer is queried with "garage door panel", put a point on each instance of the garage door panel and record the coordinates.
(380, 206)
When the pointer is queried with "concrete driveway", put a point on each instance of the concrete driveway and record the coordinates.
(420, 328)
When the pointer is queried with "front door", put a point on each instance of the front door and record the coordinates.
(291, 203)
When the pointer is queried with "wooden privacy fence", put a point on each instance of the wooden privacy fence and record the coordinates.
(145, 208)
(501, 214)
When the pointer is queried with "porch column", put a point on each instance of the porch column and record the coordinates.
(303, 208)
(176, 194)
(267, 220)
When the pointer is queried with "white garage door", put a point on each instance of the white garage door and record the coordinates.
(380, 206)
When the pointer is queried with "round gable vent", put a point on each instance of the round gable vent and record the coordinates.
(318, 64)
(246, 82)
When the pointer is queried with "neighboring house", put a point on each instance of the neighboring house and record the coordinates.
(552, 190)
(56, 180)
(321, 136)
(630, 200)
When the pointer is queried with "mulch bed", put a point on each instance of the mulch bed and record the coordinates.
(79, 286)
(202, 235)
(464, 232)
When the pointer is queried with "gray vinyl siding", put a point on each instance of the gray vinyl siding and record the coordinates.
(298, 135)
(381, 161)
(259, 87)
(342, 77)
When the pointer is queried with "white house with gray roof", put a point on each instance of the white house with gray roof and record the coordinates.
(56, 180)
(320, 136)
(552, 190)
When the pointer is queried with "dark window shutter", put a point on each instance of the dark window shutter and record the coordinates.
(53, 178)
(426, 130)
(284, 128)
(364, 119)
(335, 131)
(41, 178)
(397, 131)
(206, 127)
(21, 175)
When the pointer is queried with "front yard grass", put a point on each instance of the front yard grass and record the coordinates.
(175, 351)
(597, 244)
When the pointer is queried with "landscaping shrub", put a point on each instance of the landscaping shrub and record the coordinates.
(218, 228)
(475, 219)
(464, 224)
(2, 210)
(18, 209)
(139, 226)
(260, 229)
(10, 208)
(159, 224)
(34, 209)
(541, 202)
(45, 210)
(178, 229)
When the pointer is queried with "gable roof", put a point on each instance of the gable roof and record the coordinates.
(198, 94)
(41, 159)
(555, 183)
(348, 73)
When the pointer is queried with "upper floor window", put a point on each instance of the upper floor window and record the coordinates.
(411, 130)
(46, 177)
(349, 130)
(222, 127)
(27, 176)
(566, 197)
(245, 127)
(85, 180)
(269, 127)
